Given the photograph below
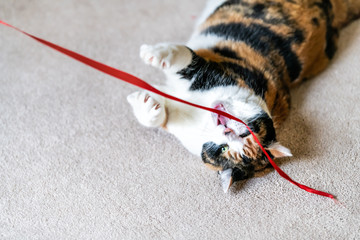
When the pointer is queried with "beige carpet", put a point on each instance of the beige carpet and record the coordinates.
(74, 163)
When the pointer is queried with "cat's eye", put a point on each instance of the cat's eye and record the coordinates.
(224, 149)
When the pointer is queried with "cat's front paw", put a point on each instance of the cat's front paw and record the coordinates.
(148, 111)
(166, 56)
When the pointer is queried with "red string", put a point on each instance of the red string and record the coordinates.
(142, 84)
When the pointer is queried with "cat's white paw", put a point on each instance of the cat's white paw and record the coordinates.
(148, 111)
(159, 56)
(166, 56)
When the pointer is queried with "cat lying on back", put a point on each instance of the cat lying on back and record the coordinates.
(242, 59)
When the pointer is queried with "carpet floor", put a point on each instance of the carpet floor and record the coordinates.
(75, 164)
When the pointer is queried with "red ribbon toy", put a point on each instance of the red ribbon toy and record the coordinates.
(144, 85)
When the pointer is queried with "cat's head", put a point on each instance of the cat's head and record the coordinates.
(239, 156)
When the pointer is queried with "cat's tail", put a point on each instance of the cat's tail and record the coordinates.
(345, 11)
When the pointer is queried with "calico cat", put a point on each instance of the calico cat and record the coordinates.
(242, 59)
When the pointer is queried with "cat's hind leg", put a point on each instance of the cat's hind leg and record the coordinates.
(149, 110)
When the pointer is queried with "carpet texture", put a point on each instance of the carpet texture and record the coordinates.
(75, 164)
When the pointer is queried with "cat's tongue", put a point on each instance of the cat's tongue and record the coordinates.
(221, 120)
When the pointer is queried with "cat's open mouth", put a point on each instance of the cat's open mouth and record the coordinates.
(231, 127)
(221, 120)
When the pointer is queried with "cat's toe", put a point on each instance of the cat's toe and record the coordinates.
(157, 56)
(146, 53)
(147, 110)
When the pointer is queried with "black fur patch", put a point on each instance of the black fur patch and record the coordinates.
(263, 119)
(243, 173)
(260, 11)
(331, 32)
(259, 7)
(206, 74)
(315, 22)
(246, 159)
(254, 79)
(298, 36)
(245, 134)
(263, 40)
(226, 52)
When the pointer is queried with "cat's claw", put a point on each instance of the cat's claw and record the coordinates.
(148, 111)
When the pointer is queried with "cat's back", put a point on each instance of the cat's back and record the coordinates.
(292, 39)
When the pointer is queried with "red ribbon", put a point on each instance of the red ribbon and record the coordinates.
(144, 85)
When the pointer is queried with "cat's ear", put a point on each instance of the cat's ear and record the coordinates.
(278, 150)
(226, 179)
